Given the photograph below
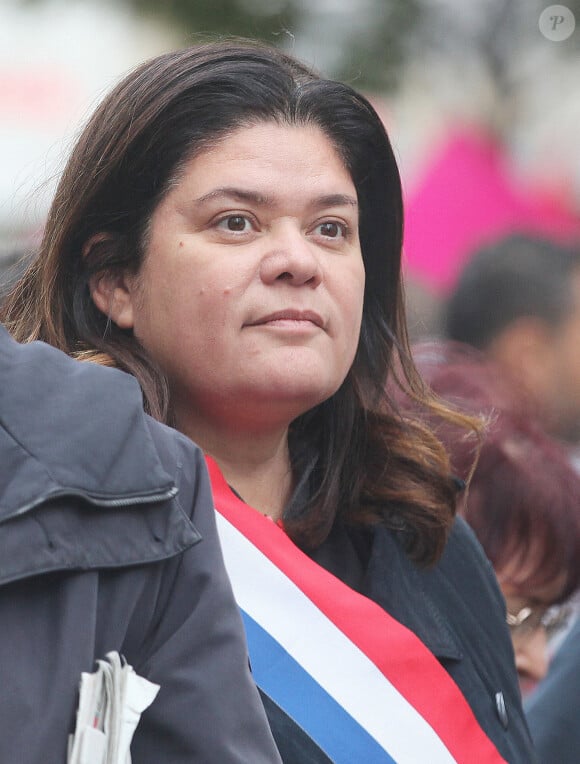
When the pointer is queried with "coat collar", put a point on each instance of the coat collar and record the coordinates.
(70, 428)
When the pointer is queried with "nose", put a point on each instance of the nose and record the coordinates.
(532, 655)
(292, 258)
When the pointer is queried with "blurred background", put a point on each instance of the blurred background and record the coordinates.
(481, 101)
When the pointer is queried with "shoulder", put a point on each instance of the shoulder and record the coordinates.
(91, 464)
(81, 422)
(554, 707)
(463, 543)
(185, 462)
(465, 561)
(462, 584)
(34, 366)
(457, 610)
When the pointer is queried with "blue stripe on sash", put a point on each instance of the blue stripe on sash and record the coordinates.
(289, 685)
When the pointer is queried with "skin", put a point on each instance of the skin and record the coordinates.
(531, 649)
(545, 361)
(566, 395)
(250, 296)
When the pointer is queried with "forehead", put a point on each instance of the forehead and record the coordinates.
(304, 154)
(517, 581)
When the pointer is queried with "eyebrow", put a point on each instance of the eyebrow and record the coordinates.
(254, 197)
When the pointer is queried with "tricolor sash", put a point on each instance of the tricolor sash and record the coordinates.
(361, 685)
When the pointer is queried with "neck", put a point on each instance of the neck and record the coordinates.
(257, 467)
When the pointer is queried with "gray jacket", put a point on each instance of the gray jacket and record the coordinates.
(108, 542)
(553, 708)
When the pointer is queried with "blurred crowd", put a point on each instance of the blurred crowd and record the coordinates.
(506, 345)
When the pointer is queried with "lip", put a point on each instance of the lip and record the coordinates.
(291, 315)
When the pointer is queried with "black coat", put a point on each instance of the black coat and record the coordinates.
(108, 542)
(457, 610)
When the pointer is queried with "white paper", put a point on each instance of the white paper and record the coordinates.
(111, 702)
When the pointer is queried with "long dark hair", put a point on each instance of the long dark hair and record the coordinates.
(372, 465)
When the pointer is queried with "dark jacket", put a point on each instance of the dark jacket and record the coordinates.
(553, 708)
(457, 610)
(108, 542)
(455, 607)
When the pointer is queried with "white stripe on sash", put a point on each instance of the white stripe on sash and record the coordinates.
(266, 594)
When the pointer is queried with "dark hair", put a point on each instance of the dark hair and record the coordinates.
(515, 276)
(371, 464)
(524, 495)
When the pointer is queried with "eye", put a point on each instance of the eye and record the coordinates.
(331, 229)
(235, 223)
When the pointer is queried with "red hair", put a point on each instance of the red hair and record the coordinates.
(524, 496)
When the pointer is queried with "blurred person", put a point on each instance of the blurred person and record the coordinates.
(109, 543)
(522, 501)
(553, 709)
(518, 300)
(228, 229)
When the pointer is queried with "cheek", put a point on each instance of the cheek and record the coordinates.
(176, 288)
(347, 331)
(351, 302)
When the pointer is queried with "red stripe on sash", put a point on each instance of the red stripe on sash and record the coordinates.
(398, 653)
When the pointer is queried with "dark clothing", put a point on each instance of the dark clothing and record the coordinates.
(108, 542)
(553, 709)
(455, 608)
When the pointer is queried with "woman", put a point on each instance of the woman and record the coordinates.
(522, 501)
(228, 229)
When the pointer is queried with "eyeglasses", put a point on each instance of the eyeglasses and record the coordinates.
(529, 619)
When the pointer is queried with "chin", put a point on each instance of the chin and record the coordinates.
(310, 383)
(303, 397)
(293, 396)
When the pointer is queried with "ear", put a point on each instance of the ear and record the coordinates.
(112, 291)
(113, 295)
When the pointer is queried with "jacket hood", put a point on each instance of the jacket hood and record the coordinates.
(70, 428)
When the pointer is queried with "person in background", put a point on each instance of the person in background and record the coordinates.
(228, 229)
(523, 497)
(518, 300)
(553, 709)
(109, 543)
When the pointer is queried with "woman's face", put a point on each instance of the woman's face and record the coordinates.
(532, 618)
(251, 293)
